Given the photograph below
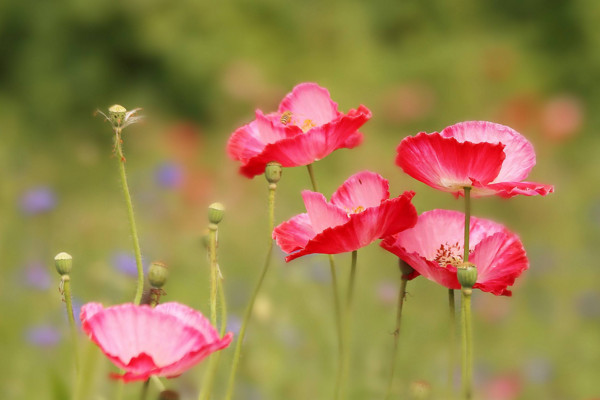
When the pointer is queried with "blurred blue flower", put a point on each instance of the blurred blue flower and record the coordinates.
(42, 335)
(36, 276)
(234, 324)
(169, 175)
(37, 200)
(124, 262)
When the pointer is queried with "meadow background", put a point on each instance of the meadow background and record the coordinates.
(199, 69)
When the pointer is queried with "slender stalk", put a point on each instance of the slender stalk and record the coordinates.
(345, 359)
(145, 389)
(134, 235)
(66, 285)
(334, 284)
(467, 222)
(158, 383)
(212, 252)
(401, 295)
(248, 313)
(468, 343)
(223, 302)
(452, 339)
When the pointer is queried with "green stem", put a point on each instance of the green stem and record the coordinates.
(66, 284)
(467, 222)
(452, 339)
(401, 295)
(212, 251)
(134, 235)
(145, 389)
(334, 286)
(467, 334)
(248, 313)
(345, 359)
(223, 302)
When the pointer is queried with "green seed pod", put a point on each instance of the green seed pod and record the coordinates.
(405, 269)
(63, 263)
(467, 275)
(273, 172)
(116, 114)
(216, 211)
(158, 274)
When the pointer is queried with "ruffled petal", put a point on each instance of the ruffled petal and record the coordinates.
(363, 228)
(446, 164)
(309, 101)
(245, 143)
(317, 143)
(360, 191)
(520, 156)
(322, 214)
(510, 189)
(500, 259)
(294, 233)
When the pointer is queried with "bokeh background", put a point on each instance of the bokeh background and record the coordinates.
(199, 69)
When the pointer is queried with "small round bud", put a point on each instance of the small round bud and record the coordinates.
(273, 172)
(405, 269)
(116, 114)
(215, 213)
(466, 274)
(168, 395)
(63, 263)
(158, 274)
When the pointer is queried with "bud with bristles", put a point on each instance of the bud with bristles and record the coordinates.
(467, 275)
(158, 274)
(273, 172)
(116, 114)
(215, 213)
(63, 263)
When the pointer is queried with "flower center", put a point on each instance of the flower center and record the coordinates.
(449, 254)
(288, 117)
(356, 210)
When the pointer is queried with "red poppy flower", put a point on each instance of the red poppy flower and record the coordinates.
(306, 128)
(359, 212)
(435, 246)
(165, 340)
(490, 158)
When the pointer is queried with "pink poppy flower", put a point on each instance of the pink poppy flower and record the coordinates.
(434, 247)
(359, 212)
(490, 158)
(306, 128)
(165, 340)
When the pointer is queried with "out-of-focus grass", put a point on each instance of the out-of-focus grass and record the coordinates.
(419, 66)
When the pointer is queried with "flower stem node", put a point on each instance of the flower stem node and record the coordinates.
(405, 269)
(158, 274)
(273, 172)
(216, 211)
(467, 275)
(63, 263)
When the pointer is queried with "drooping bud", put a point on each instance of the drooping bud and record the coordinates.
(63, 263)
(466, 274)
(116, 113)
(216, 211)
(158, 274)
(273, 172)
(405, 269)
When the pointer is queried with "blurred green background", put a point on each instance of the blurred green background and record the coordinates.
(199, 69)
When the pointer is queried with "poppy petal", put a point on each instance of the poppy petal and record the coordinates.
(363, 190)
(310, 101)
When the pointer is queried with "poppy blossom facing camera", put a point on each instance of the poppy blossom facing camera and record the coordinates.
(306, 128)
(491, 159)
(434, 247)
(165, 340)
(359, 212)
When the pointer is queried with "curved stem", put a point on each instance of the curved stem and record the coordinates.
(212, 252)
(134, 235)
(248, 313)
(66, 285)
(158, 383)
(401, 295)
(311, 174)
(347, 321)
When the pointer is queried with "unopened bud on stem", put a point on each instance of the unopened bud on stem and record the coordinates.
(273, 172)
(158, 274)
(467, 275)
(216, 211)
(63, 263)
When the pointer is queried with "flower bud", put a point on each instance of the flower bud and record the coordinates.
(63, 263)
(273, 172)
(158, 274)
(466, 274)
(215, 213)
(116, 114)
(405, 269)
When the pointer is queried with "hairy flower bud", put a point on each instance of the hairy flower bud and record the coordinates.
(466, 274)
(158, 274)
(116, 114)
(216, 212)
(63, 263)
(273, 172)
